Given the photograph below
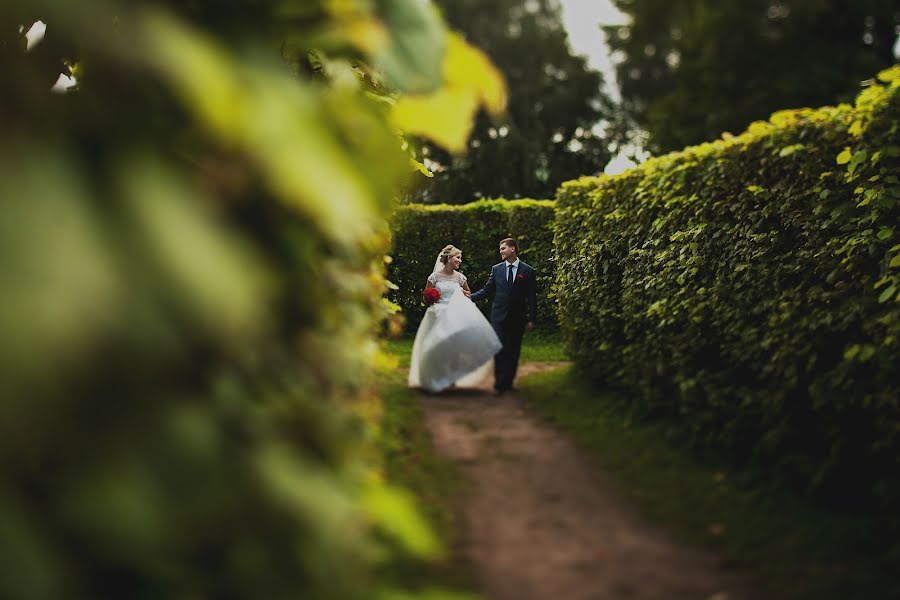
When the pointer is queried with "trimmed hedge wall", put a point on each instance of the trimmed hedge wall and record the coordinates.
(421, 231)
(747, 288)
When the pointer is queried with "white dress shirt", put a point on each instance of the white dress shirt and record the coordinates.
(515, 269)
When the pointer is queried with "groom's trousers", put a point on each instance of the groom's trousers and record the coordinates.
(506, 362)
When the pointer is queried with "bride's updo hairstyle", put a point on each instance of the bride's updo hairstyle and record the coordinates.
(449, 252)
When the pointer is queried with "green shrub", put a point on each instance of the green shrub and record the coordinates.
(192, 272)
(747, 289)
(421, 231)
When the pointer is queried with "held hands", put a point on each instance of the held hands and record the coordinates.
(468, 293)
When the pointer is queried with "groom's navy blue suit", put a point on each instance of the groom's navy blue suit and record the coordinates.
(514, 305)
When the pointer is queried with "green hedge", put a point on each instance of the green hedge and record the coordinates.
(421, 231)
(747, 288)
(189, 310)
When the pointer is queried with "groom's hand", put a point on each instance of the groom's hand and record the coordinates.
(467, 293)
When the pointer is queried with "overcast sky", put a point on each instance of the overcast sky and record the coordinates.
(582, 19)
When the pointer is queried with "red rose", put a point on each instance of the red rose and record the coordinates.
(431, 295)
(520, 276)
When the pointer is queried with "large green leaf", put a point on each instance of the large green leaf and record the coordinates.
(413, 58)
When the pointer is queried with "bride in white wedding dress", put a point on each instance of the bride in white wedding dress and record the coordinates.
(455, 343)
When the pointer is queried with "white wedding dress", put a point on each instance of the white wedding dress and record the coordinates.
(455, 343)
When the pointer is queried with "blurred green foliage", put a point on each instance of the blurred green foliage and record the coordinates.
(747, 290)
(191, 253)
(420, 232)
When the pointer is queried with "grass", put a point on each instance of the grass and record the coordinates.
(409, 459)
(794, 550)
(410, 462)
(540, 346)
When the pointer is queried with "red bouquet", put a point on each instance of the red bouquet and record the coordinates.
(431, 295)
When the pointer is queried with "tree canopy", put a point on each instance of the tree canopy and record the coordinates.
(693, 69)
(555, 100)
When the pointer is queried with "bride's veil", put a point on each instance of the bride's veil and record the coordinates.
(438, 265)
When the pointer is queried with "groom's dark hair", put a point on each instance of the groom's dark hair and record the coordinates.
(511, 243)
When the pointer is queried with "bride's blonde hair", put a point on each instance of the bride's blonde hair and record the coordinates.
(448, 252)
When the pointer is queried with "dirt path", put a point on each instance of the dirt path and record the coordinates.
(540, 524)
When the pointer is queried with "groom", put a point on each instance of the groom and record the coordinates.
(515, 303)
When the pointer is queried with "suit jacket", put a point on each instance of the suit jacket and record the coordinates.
(516, 303)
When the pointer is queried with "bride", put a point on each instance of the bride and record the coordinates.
(454, 343)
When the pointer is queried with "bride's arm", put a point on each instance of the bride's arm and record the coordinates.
(466, 290)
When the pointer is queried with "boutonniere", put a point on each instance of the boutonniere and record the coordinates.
(519, 276)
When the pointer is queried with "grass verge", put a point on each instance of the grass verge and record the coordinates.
(409, 461)
(537, 346)
(794, 550)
